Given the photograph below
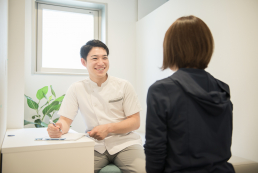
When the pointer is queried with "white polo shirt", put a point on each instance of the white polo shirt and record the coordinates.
(110, 103)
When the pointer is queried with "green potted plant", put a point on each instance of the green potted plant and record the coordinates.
(49, 108)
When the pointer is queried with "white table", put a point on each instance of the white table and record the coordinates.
(22, 154)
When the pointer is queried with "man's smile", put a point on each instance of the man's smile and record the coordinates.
(100, 69)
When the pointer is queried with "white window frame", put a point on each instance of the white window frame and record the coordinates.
(40, 6)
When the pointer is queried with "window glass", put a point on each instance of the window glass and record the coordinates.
(63, 33)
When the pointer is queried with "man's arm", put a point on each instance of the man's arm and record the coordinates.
(131, 123)
(63, 123)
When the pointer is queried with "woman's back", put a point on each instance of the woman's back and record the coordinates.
(189, 114)
(195, 112)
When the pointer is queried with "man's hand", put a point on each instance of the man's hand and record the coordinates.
(131, 123)
(53, 131)
(100, 132)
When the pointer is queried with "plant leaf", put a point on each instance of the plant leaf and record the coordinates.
(54, 103)
(27, 122)
(45, 96)
(60, 99)
(52, 91)
(33, 117)
(57, 107)
(50, 98)
(55, 120)
(44, 105)
(50, 108)
(41, 92)
(44, 124)
(32, 104)
(45, 90)
(37, 123)
(49, 115)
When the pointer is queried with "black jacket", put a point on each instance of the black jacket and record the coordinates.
(189, 124)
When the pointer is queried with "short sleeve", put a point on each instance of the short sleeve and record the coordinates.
(70, 106)
(131, 102)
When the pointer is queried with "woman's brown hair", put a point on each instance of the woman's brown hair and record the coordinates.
(188, 43)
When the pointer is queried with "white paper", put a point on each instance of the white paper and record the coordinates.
(73, 136)
(65, 137)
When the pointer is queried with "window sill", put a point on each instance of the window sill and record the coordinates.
(61, 73)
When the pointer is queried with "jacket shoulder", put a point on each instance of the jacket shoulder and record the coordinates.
(163, 85)
(222, 84)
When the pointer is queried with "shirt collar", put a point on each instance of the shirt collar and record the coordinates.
(95, 85)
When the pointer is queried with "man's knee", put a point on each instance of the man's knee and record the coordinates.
(138, 166)
(100, 161)
(131, 160)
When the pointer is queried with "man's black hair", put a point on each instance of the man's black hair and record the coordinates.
(85, 49)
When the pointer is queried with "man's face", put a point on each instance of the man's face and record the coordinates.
(97, 63)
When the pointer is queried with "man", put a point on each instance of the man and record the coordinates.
(110, 108)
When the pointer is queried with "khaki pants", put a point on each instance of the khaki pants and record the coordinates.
(129, 160)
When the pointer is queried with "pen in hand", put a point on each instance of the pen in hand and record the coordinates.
(54, 125)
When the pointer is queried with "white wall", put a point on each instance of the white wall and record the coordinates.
(121, 23)
(234, 26)
(147, 6)
(16, 54)
(3, 69)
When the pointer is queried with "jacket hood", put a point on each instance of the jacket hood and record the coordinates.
(213, 102)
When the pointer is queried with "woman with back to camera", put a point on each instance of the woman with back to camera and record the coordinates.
(189, 114)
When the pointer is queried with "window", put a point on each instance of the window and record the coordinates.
(61, 31)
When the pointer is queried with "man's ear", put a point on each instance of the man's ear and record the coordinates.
(84, 62)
